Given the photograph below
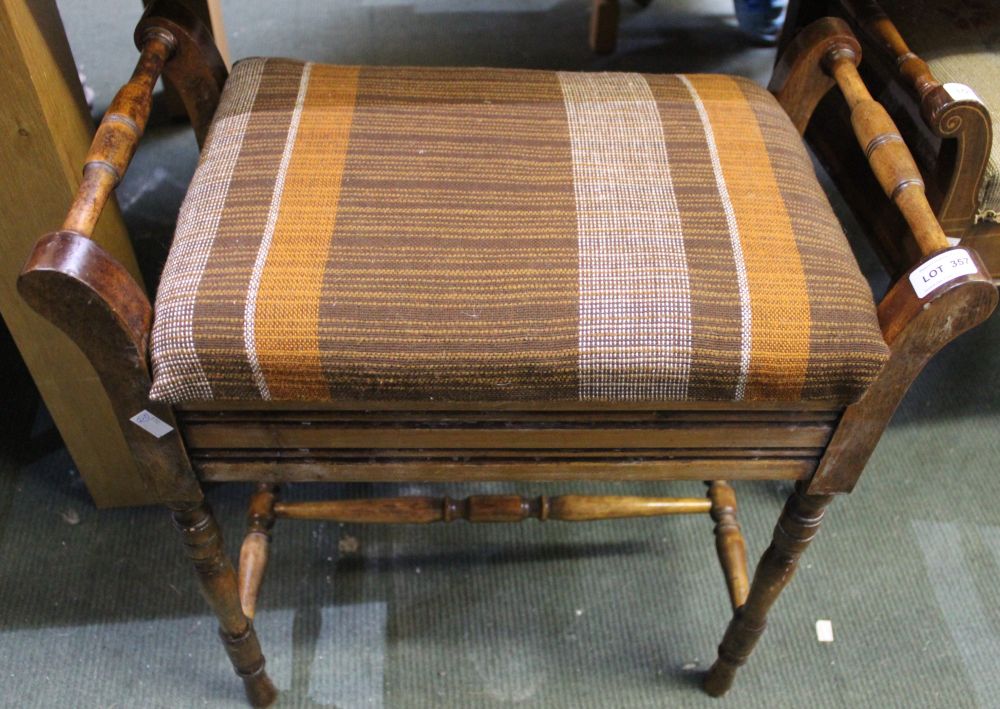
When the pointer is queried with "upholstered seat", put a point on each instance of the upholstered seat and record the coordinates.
(474, 234)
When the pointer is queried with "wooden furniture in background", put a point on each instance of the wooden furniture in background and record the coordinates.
(46, 125)
(822, 445)
(949, 128)
(604, 16)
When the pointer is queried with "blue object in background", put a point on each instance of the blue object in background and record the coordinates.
(761, 18)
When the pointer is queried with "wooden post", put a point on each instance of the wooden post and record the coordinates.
(46, 134)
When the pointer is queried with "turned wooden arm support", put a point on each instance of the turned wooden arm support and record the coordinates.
(118, 135)
(950, 111)
(826, 54)
(172, 42)
(889, 157)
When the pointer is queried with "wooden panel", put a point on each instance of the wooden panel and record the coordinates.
(47, 133)
(367, 454)
(418, 444)
(395, 470)
(671, 435)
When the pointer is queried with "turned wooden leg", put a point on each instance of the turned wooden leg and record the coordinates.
(604, 26)
(796, 527)
(203, 544)
(729, 543)
(256, 546)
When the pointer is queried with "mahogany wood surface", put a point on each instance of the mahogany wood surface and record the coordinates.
(197, 71)
(255, 552)
(604, 25)
(203, 543)
(448, 469)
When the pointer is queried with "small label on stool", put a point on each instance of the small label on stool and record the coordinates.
(151, 424)
(824, 631)
(962, 92)
(941, 269)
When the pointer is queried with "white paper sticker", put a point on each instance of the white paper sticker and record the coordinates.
(941, 269)
(151, 424)
(824, 631)
(962, 92)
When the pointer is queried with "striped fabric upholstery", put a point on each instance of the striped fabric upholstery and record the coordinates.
(488, 234)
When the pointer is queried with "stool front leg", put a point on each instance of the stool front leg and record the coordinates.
(203, 544)
(798, 524)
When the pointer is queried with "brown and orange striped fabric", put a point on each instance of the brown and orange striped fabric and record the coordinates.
(489, 234)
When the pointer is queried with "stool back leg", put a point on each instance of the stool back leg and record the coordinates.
(796, 527)
(203, 544)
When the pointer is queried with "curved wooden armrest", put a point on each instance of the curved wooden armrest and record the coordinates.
(86, 293)
(915, 327)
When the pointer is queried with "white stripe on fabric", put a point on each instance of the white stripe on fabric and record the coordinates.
(635, 302)
(734, 238)
(250, 316)
(199, 217)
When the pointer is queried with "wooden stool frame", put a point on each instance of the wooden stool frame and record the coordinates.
(823, 446)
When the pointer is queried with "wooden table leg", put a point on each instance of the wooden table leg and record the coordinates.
(796, 527)
(604, 26)
(46, 132)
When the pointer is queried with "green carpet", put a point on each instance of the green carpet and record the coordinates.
(101, 610)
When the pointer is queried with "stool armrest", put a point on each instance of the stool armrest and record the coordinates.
(86, 293)
(80, 288)
(915, 328)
